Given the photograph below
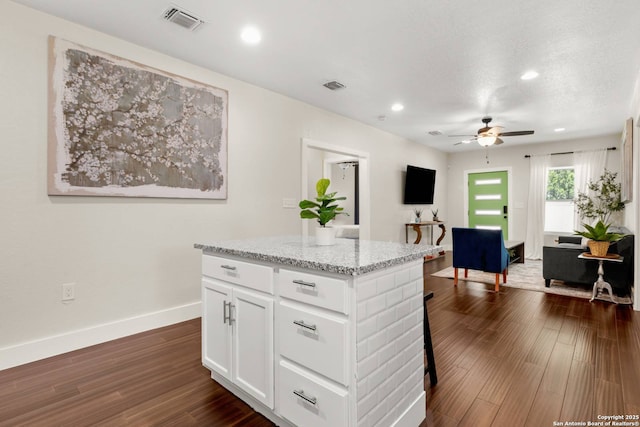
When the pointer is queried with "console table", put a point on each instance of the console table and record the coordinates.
(517, 247)
(600, 284)
(417, 228)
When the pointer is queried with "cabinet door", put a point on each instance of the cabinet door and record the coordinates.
(216, 333)
(253, 344)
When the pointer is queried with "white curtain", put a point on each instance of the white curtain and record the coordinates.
(587, 166)
(538, 166)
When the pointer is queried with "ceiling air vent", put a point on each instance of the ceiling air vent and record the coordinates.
(334, 85)
(184, 19)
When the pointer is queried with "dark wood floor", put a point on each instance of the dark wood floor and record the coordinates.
(517, 358)
(522, 358)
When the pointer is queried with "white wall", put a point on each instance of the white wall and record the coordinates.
(632, 214)
(132, 257)
(513, 157)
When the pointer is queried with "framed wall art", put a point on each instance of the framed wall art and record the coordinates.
(119, 128)
(626, 166)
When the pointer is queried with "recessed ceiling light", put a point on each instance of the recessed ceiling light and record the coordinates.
(397, 107)
(529, 75)
(435, 132)
(251, 35)
(558, 130)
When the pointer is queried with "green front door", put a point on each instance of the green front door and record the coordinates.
(488, 201)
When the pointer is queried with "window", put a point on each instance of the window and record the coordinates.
(558, 213)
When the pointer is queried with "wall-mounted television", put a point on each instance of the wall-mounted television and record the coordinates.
(419, 185)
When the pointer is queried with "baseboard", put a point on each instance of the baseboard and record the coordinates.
(57, 344)
(415, 414)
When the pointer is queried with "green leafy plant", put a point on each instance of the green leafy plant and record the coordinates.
(325, 208)
(602, 198)
(599, 233)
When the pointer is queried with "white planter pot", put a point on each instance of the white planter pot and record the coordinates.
(325, 236)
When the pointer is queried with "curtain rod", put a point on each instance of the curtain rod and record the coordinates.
(526, 156)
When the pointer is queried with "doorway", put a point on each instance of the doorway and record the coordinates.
(487, 200)
(317, 158)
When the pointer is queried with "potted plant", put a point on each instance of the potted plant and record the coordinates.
(324, 209)
(599, 238)
(602, 198)
(434, 212)
(418, 212)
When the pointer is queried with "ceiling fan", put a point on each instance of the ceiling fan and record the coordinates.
(487, 136)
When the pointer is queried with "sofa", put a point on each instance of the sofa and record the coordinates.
(561, 262)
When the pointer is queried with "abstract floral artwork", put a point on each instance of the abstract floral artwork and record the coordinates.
(118, 128)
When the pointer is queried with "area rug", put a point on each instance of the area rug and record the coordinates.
(527, 276)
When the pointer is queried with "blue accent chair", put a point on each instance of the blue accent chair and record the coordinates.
(482, 250)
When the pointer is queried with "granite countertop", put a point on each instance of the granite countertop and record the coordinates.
(347, 256)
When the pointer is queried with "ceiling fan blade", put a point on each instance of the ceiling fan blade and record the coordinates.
(516, 133)
(494, 131)
(498, 142)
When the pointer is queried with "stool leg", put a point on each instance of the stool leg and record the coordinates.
(428, 346)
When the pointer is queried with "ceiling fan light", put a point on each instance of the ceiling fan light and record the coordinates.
(486, 141)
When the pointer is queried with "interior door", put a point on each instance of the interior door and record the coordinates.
(488, 201)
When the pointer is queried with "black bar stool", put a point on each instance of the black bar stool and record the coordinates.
(428, 345)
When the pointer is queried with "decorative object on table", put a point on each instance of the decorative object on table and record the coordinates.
(626, 166)
(434, 212)
(418, 213)
(119, 128)
(602, 198)
(324, 209)
(599, 238)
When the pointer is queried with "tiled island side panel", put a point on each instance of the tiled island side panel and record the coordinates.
(389, 339)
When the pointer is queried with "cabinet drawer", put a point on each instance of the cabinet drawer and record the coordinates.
(308, 401)
(313, 289)
(314, 340)
(252, 276)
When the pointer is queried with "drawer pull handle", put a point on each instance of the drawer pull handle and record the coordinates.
(303, 283)
(228, 267)
(232, 309)
(301, 395)
(226, 316)
(304, 325)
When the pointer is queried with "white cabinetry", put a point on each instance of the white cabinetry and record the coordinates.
(312, 348)
(237, 330)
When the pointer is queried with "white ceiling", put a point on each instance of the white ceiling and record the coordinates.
(449, 62)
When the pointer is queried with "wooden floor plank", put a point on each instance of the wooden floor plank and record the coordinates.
(569, 330)
(481, 414)
(586, 345)
(607, 399)
(515, 407)
(579, 397)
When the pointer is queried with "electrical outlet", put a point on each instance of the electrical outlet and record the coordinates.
(68, 291)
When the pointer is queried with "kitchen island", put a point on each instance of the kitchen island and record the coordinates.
(314, 335)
